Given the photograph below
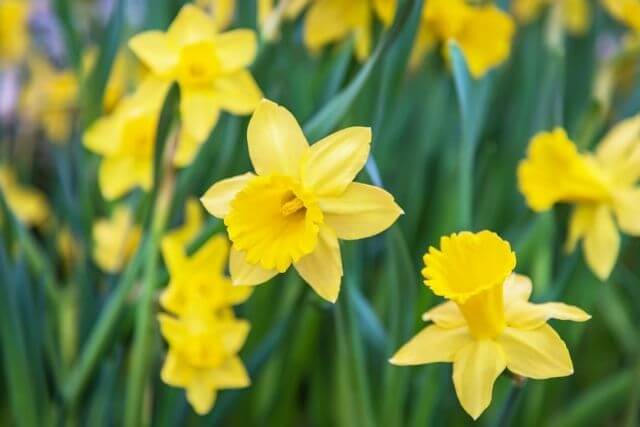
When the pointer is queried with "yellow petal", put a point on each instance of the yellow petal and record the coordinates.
(580, 220)
(175, 371)
(103, 135)
(619, 151)
(361, 211)
(525, 315)
(325, 23)
(237, 93)
(236, 49)
(219, 196)
(173, 254)
(212, 256)
(475, 369)
(231, 374)
(199, 111)
(116, 177)
(191, 25)
(517, 288)
(627, 209)
(446, 315)
(486, 39)
(576, 16)
(322, 268)
(156, 51)
(334, 161)
(527, 10)
(235, 335)
(424, 42)
(362, 33)
(243, 273)
(431, 345)
(200, 396)
(187, 149)
(276, 142)
(538, 353)
(602, 243)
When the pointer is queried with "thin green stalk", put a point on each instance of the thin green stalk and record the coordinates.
(510, 405)
(97, 342)
(144, 326)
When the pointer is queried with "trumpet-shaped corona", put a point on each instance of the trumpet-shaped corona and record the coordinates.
(488, 324)
(299, 204)
(601, 186)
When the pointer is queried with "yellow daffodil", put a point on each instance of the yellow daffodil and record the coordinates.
(299, 204)
(50, 99)
(199, 279)
(14, 30)
(210, 68)
(202, 355)
(483, 32)
(28, 204)
(221, 11)
(193, 218)
(328, 21)
(115, 240)
(488, 325)
(126, 140)
(601, 186)
(625, 11)
(575, 13)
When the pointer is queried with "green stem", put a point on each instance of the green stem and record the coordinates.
(511, 403)
(99, 338)
(144, 326)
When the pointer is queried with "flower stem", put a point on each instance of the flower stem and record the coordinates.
(143, 332)
(511, 403)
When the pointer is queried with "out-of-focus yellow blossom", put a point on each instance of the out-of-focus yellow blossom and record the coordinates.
(126, 140)
(488, 325)
(202, 356)
(328, 21)
(305, 198)
(221, 11)
(204, 336)
(576, 14)
(210, 68)
(199, 279)
(124, 72)
(272, 12)
(50, 99)
(67, 247)
(193, 218)
(115, 240)
(601, 186)
(483, 32)
(625, 11)
(28, 204)
(14, 31)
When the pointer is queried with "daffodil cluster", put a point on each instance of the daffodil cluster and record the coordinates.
(203, 334)
(602, 188)
(488, 325)
(299, 203)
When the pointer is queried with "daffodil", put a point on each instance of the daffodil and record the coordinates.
(488, 324)
(126, 139)
(50, 99)
(483, 32)
(193, 218)
(625, 11)
(575, 13)
(600, 186)
(14, 30)
(199, 279)
(210, 68)
(28, 204)
(299, 203)
(115, 240)
(202, 355)
(221, 11)
(329, 21)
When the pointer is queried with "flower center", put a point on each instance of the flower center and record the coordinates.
(198, 63)
(275, 221)
(139, 136)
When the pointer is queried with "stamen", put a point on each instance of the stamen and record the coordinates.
(292, 207)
